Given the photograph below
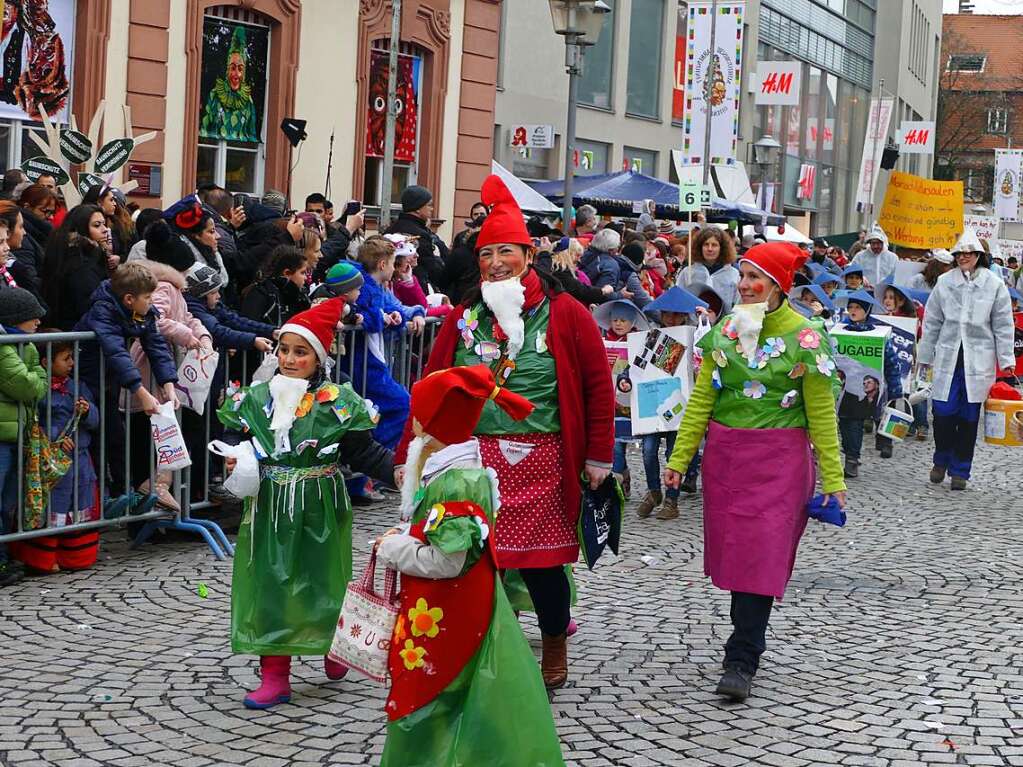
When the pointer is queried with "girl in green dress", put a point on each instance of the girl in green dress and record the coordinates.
(294, 551)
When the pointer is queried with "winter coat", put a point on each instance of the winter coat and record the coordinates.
(115, 328)
(208, 256)
(461, 272)
(601, 268)
(57, 409)
(971, 317)
(22, 383)
(274, 301)
(29, 257)
(229, 329)
(333, 250)
(433, 253)
(577, 284)
(876, 267)
(176, 324)
(71, 298)
(724, 279)
(628, 279)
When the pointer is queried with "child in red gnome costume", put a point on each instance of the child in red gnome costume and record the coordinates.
(465, 688)
(294, 551)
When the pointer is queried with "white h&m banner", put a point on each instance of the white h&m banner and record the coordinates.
(1006, 193)
(722, 68)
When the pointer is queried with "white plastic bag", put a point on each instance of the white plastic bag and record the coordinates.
(703, 327)
(266, 370)
(195, 378)
(244, 480)
(171, 453)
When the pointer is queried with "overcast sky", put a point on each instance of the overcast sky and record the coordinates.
(987, 6)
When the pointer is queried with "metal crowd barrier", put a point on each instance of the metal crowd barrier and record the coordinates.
(196, 488)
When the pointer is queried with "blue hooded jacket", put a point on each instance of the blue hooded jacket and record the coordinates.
(115, 329)
(228, 328)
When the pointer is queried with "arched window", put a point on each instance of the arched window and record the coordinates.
(232, 99)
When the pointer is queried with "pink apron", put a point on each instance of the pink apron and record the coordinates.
(757, 483)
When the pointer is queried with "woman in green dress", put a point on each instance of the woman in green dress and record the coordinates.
(294, 551)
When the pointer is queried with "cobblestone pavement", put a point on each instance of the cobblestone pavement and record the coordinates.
(899, 643)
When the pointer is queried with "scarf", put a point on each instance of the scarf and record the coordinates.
(59, 385)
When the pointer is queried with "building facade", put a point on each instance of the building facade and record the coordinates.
(215, 78)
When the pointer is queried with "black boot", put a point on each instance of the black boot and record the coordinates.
(735, 683)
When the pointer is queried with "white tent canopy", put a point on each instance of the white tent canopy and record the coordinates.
(528, 199)
(791, 234)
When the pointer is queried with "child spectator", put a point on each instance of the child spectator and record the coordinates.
(343, 280)
(282, 293)
(405, 286)
(674, 308)
(75, 497)
(617, 319)
(853, 276)
(382, 314)
(121, 312)
(228, 329)
(854, 410)
(22, 385)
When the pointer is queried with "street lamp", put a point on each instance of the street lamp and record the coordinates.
(766, 153)
(579, 22)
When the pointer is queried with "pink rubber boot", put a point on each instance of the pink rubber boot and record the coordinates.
(276, 686)
(333, 669)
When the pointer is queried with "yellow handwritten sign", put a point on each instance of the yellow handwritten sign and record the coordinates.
(920, 213)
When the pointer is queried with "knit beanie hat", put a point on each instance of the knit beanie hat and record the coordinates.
(166, 247)
(276, 200)
(634, 252)
(201, 280)
(342, 277)
(415, 197)
(17, 305)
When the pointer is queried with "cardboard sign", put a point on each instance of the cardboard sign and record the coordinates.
(75, 146)
(618, 361)
(44, 166)
(778, 83)
(904, 340)
(1017, 371)
(920, 213)
(859, 357)
(986, 227)
(113, 154)
(661, 375)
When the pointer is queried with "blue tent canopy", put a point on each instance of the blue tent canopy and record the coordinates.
(614, 194)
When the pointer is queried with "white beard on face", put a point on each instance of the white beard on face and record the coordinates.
(505, 299)
(413, 473)
(749, 320)
(287, 394)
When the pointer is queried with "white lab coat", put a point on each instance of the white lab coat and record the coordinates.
(876, 267)
(975, 315)
(725, 280)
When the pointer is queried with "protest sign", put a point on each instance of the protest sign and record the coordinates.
(618, 360)
(904, 340)
(986, 227)
(661, 373)
(920, 213)
(905, 271)
(1017, 371)
(859, 357)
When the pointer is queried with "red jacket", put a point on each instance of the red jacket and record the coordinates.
(585, 393)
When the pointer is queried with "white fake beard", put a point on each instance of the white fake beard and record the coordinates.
(749, 321)
(413, 472)
(505, 299)
(287, 394)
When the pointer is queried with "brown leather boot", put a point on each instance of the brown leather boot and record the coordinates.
(554, 665)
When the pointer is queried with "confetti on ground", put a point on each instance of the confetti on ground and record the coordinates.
(932, 702)
(203, 590)
(950, 743)
(935, 724)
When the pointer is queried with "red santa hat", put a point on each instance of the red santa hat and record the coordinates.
(317, 325)
(448, 403)
(504, 223)
(778, 260)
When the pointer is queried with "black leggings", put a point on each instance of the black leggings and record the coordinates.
(552, 598)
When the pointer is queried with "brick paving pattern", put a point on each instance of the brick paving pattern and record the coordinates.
(900, 634)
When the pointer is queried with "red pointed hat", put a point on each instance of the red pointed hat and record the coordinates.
(317, 325)
(778, 260)
(448, 403)
(504, 223)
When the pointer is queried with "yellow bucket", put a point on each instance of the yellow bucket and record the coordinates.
(1003, 422)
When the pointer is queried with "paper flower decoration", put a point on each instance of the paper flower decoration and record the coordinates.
(327, 393)
(484, 528)
(425, 619)
(809, 338)
(467, 325)
(412, 656)
(720, 359)
(488, 351)
(305, 405)
(774, 347)
(759, 361)
(754, 389)
(400, 630)
(728, 329)
(434, 518)
(798, 370)
(715, 379)
(825, 365)
(789, 399)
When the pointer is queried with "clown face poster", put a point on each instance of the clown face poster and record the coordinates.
(37, 51)
(234, 64)
(661, 377)
(406, 123)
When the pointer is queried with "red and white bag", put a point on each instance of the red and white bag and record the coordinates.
(362, 640)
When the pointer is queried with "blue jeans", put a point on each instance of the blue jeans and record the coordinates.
(8, 490)
(920, 415)
(618, 464)
(652, 463)
(851, 430)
